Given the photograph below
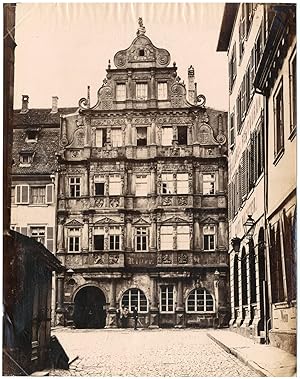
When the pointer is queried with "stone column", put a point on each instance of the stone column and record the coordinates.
(85, 234)
(197, 180)
(111, 316)
(153, 302)
(222, 233)
(128, 246)
(129, 85)
(216, 287)
(129, 182)
(128, 132)
(179, 306)
(153, 233)
(60, 319)
(60, 234)
(85, 187)
(221, 180)
(152, 181)
(153, 131)
(197, 244)
(152, 85)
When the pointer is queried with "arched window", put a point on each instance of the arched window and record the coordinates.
(135, 298)
(236, 281)
(200, 300)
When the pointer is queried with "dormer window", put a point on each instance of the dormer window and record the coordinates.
(162, 91)
(141, 52)
(31, 135)
(141, 91)
(26, 158)
(121, 92)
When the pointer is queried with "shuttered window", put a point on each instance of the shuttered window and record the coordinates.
(49, 193)
(22, 194)
(50, 238)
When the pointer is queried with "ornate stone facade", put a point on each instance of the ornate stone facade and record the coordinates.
(143, 198)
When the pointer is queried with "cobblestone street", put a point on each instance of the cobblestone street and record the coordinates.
(168, 352)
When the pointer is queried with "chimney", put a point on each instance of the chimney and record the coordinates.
(191, 85)
(54, 104)
(25, 101)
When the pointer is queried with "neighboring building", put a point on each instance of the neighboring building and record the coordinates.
(27, 266)
(34, 172)
(142, 204)
(262, 184)
(242, 36)
(276, 79)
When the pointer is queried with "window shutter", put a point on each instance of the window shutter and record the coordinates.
(25, 194)
(229, 201)
(49, 193)
(18, 194)
(243, 169)
(50, 240)
(24, 230)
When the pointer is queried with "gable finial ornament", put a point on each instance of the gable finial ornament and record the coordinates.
(141, 30)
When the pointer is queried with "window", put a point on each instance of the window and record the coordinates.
(135, 298)
(232, 131)
(242, 31)
(141, 52)
(166, 237)
(200, 300)
(31, 135)
(74, 187)
(162, 91)
(167, 136)
(209, 186)
(293, 92)
(13, 195)
(38, 233)
(26, 158)
(141, 91)
(232, 67)
(101, 137)
(167, 299)
(121, 92)
(141, 185)
(141, 239)
(114, 184)
(22, 194)
(167, 183)
(116, 137)
(278, 118)
(141, 136)
(99, 238)
(208, 238)
(114, 238)
(99, 182)
(182, 135)
(49, 193)
(183, 237)
(38, 195)
(74, 240)
(182, 183)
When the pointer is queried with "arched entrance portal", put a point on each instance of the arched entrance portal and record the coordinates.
(89, 308)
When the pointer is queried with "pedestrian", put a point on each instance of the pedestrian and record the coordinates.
(118, 317)
(124, 316)
(135, 317)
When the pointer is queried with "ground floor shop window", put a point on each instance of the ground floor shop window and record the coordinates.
(135, 298)
(167, 298)
(200, 300)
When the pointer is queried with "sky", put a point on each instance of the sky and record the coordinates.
(64, 47)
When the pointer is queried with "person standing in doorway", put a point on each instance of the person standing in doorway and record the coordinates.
(125, 317)
(135, 317)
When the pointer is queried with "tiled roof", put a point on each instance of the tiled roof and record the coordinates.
(44, 161)
(40, 116)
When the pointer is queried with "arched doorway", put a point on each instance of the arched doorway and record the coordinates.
(89, 308)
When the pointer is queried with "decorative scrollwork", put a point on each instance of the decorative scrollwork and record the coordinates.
(221, 139)
(83, 103)
(201, 100)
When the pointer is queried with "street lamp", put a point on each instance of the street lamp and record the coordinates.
(249, 227)
(236, 243)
